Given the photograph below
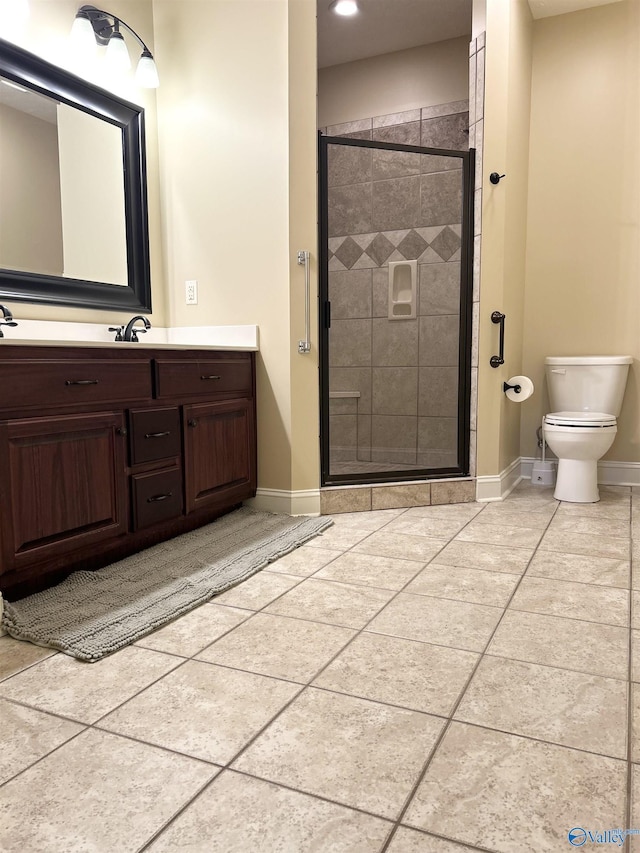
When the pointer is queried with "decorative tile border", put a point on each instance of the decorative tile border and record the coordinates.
(434, 244)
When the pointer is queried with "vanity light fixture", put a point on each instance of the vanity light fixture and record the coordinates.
(345, 8)
(95, 26)
(117, 56)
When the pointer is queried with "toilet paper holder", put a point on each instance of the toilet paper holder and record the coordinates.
(518, 388)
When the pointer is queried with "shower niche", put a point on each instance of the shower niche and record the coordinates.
(402, 290)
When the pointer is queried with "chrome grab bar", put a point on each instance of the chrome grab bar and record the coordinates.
(496, 360)
(305, 345)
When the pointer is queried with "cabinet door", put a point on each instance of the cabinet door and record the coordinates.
(63, 485)
(220, 454)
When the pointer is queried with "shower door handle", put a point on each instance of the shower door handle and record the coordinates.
(497, 360)
(305, 345)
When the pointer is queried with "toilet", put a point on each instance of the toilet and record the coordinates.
(586, 396)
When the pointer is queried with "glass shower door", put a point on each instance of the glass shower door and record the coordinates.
(395, 288)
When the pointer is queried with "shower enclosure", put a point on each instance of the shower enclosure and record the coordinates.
(395, 295)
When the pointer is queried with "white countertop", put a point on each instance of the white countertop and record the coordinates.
(44, 333)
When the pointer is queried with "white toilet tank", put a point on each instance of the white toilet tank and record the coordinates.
(587, 383)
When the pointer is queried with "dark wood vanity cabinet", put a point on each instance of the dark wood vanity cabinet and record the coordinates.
(106, 451)
(62, 485)
(214, 477)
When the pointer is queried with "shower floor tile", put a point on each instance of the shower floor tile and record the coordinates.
(426, 680)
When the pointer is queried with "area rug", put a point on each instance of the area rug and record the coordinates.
(92, 614)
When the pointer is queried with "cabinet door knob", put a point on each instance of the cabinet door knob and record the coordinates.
(192, 422)
(121, 431)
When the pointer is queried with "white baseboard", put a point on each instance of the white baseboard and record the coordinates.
(609, 473)
(302, 502)
(488, 488)
(497, 487)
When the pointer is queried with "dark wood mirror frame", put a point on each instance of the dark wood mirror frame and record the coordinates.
(36, 74)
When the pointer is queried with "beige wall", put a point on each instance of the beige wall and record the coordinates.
(404, 80)
(93, 221)
(303, 234)
(237, 129)
(583, 256)
(504, 224)
(30, 220)
(47, 34)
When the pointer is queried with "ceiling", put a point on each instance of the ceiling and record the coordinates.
(547, 8)
(28, 102)
(384, 26)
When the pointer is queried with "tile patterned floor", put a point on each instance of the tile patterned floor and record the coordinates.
(432, 680)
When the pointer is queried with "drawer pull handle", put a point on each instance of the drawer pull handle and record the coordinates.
(157, 434)
(192, 422)
(211, 377)
(81, 382)
(157, 498)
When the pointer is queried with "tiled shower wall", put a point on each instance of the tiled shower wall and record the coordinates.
(394, 383)
(476, 137)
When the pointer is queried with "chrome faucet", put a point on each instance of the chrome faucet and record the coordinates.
(7, 319)
(131, 333)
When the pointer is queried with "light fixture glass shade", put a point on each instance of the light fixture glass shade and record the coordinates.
(344, 7)
(82, 37)
(146, 72)
(117, 56)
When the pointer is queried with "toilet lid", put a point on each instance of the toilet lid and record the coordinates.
(580, 419)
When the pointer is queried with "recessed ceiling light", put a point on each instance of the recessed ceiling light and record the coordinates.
(344, 7)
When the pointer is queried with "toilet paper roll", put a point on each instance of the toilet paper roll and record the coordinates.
(526, 389)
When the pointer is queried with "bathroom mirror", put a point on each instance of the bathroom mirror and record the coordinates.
(73, 218)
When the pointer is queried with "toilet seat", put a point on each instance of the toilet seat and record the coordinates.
(580, 419)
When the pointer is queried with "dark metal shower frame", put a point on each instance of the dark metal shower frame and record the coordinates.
(467, 159)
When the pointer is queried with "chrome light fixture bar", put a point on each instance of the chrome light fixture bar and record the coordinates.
(93, 26)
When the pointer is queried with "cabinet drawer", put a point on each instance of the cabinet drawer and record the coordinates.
(155, 434)
(36, 383)
(156, 497)
(205, 378)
